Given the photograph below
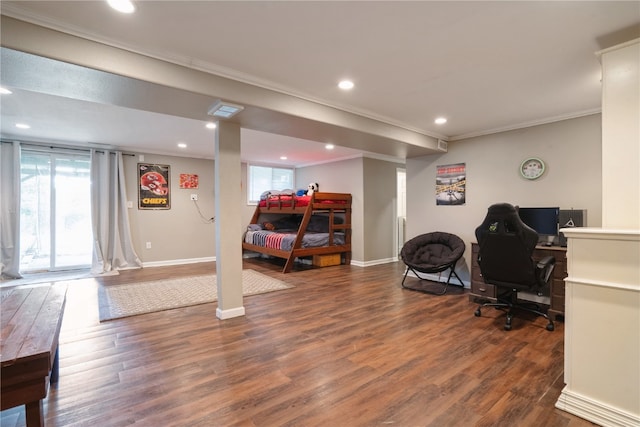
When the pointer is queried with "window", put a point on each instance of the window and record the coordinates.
(264, 178)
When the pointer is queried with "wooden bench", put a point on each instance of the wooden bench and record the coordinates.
(31, 318)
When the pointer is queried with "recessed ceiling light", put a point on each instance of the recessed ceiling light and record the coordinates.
(182, 145)
(329, 146)
(5, 91)
(23, 126)
(283, 157)
(210, 125)
(124, 6)
(346, 85)
(440, 121)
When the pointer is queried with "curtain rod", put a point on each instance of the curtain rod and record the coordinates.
(61, 147)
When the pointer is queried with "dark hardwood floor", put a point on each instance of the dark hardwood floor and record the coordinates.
(346, 347)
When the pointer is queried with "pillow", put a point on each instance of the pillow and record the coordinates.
(265, 195)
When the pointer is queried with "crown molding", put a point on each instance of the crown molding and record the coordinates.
(525, 125)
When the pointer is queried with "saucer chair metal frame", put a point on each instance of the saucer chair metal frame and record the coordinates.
(432, 253)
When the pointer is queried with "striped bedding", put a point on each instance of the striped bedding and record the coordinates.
(285, 240)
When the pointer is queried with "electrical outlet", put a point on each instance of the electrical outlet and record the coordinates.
(194, 197)
(148, 245)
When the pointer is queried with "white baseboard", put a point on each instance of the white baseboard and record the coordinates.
(231, 313)
(177, 262)
(595, 411)
(374, 262)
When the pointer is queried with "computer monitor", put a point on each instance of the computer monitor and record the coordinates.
(544, 221)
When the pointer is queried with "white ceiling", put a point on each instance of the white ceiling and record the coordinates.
(486, 66)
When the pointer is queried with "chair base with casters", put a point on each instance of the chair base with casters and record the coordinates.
(509, 300)
(432, 253)
(444, 288)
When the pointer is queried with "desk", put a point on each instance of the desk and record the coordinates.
(31, 320)
(483, 291)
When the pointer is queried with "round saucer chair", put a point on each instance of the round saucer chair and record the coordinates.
(432, 253)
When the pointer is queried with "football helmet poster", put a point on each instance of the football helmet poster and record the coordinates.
(153, 186)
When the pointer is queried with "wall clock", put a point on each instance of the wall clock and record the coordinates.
(532, 168)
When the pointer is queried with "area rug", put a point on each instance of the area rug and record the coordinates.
(117, 301)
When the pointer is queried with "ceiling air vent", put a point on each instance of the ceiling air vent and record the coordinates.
(224, 109)
(442, 145)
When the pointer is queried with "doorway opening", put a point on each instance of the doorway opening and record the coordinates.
(401, 197)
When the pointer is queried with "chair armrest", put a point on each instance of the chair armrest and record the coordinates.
(546, 262)
(545, 267)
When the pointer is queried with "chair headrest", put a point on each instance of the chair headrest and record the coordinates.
(503, 219)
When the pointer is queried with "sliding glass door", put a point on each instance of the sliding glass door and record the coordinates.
(55, 211)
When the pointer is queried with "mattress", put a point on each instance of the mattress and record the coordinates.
(284, 240)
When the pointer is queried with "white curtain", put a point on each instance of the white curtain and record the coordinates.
(113, 248)
(10, 210)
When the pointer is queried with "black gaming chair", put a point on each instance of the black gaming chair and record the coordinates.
(506, 245)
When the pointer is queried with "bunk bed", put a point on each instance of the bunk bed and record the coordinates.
(289, 226)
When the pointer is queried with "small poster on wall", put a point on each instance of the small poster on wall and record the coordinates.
(188, 180)
(451, 182)
(153, 188)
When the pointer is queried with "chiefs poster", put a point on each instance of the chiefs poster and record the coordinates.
(153, 186)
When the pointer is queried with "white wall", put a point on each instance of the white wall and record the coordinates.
(380, 210)
(177, 233)
(570, 148)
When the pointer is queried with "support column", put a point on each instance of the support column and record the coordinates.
(602, 301)
(228, 200)
(621, 136)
